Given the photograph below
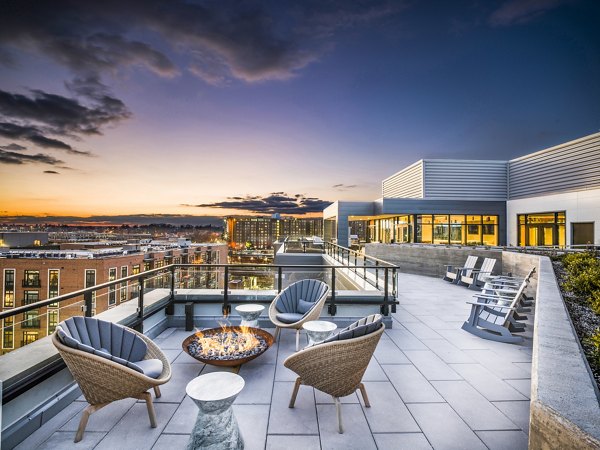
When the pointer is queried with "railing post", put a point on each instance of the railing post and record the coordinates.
(386, 288)
(226, 306)
(140, 308)
(394, 290)
(87, 301)
(170, 309)
(279, 278)
(376, 274)
(355, 261)
(332, 308)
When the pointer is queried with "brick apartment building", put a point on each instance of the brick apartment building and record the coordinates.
(28, 276)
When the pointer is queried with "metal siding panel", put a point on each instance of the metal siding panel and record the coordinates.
(466, 179)
(407, 183)
(570, 167)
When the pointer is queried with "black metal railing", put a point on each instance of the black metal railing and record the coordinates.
(182, 276)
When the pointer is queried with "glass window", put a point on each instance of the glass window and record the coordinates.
(135, 269)
(424, 229)
(441, 229)
(52, 320)
(123, 286)
(542, 229)
(32, 278)
(29, 337)
(90, 281)
(458, 231)
(112, 296)
(8, 333)
(31, 318)
(53, 286)
(9, 288)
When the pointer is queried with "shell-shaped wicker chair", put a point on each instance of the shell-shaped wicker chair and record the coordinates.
(337, 365)
(110, 362)
(298, 303)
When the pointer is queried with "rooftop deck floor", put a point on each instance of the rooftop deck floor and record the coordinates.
(431, 385)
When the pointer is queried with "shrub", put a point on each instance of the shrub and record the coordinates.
(583, 276)
(595, 302)
(594, 342)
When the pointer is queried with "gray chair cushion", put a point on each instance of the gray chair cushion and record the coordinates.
(304, 307)
(361, 327)
(289, 317)
(150, 367)
(101, 338)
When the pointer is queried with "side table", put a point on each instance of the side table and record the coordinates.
(216, 427)
(249, 314)
(318, 330)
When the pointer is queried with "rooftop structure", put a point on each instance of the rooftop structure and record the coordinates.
(549, 197)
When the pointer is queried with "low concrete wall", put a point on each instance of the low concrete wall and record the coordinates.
(565, 410)
(430, 260)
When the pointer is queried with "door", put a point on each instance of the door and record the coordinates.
(582, 233)
(540, 235)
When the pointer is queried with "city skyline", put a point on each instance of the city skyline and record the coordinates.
(194, 109)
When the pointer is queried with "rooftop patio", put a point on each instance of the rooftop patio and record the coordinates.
(430, 384)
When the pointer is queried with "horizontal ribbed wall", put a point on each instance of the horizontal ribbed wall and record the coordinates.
(407, 183)
(567, 167)
(465, 179)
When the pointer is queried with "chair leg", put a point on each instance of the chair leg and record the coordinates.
(151, 414)
(363, 391)
(157, 391)
(295, 392)
(338, 407)
(87, 412)
(277, 330)
(298, 340)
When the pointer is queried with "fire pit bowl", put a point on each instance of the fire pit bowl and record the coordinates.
(222, 343)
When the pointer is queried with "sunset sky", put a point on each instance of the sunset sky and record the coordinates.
(226, 107)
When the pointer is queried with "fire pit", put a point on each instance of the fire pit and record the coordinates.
(227, 346)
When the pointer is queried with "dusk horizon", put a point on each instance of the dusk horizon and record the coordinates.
(193, 109)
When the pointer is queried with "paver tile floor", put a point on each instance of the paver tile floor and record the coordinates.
(431, 385)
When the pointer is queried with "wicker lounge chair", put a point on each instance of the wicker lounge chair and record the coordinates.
(337, 365)
(298, 303)
(103, 358)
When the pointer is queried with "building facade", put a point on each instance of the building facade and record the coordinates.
(260, 232)
(550, 197)
(28, 276)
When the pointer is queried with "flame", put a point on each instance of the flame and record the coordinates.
(226, 342)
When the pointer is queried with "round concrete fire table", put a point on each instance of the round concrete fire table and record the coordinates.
(216, 427)
(249, 314)
(318, 330)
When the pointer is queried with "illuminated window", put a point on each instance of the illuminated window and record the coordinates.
(31, 278)
(29, 337)
(90, 281)
(8, 332)
(53, 285)
(112, 295)
(135, 269)
(123, 286)
(9, 288)
(31, 318)
(542, 229)
(52, 320)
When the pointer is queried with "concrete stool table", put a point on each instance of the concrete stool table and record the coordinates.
(249, 314)
(216, 427)
(318, 330)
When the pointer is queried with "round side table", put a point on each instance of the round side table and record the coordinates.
(249, 314)
(318, 330)
(216, 427)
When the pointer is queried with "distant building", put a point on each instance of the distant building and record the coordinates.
(16, 239)
(261, 232)
(28, 276)
(550, 197)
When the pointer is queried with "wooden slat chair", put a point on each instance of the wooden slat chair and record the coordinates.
(337, 365)
(110, 362)
(508, 284)
(492, 317)
(453, 274)
(508, 297)
(475, 279)
(300, 302)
